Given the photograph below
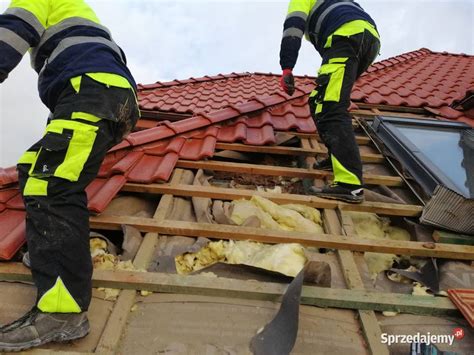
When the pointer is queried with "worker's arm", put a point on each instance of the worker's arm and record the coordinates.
(21, 27)
(293, 31)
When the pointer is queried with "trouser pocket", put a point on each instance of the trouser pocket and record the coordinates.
(64, 150)
(332, 76)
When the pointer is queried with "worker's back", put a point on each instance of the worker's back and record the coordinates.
(67, 40)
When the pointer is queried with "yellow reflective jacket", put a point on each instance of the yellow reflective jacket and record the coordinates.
(65, 39)
(317, 20)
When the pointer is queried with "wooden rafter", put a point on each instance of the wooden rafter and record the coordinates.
(224, 287)
(391, 209)
(219, 231)
(361, 140)
(253, 169)
(366, 157)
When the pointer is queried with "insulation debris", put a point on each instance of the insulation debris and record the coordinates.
(272, 216)
(102, 260)
(371, 226)
(395, 277)
(287, 259)
(307, 212)
(244, 210)
(420, 290)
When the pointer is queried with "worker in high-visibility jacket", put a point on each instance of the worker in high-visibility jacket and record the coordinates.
(85, 83)
(348, 41)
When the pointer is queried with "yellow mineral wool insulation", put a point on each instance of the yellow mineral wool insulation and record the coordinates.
(245, 209)
(307, 212)
(111, 262)
(210, 254)
(98, 246)
(420, 290)
(371, 226)
(395, 277)
(288, 219)
(104, 261)
(287, 259)
(377, 262)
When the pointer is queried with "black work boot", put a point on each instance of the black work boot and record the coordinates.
(323, 164)
(338, 191)
(37, 328)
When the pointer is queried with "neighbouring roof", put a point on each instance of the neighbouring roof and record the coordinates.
(419, 79)
(246, 108)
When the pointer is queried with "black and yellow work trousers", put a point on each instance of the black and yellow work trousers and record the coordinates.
(88, 119)
(344, 60)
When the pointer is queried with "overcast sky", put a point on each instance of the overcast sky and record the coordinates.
(164, 40)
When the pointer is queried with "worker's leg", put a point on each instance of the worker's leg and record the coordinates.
(329, 105)
(53, 176)
(57, 225)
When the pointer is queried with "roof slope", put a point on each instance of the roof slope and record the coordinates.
(210, 92)
(419, 79)
(247, 108)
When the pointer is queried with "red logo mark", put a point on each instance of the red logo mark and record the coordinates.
(458, 333)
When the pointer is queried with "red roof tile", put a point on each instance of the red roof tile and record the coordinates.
(464, 300)
(152, 168)
(260, 136)
(8, 176)
(419, 79)
(7, 194)
(231, 134)
(16, 202)
(198, 148)
(12, 232)
(12, 222)
(101, 191)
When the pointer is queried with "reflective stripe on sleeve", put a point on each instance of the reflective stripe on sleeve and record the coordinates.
(73, 41)
(14, 41)
(28, 17)
(293, 32)
(329, 9)
(63, 25)
(299, 14)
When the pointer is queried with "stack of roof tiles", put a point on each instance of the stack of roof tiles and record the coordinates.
(246, 108)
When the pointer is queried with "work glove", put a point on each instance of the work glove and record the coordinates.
(287, 82)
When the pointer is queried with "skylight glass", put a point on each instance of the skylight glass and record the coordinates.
(443, 148)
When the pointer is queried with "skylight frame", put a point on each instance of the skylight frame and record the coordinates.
(419, 165)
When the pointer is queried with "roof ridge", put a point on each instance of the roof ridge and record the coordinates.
(191, 80)
(453, 54)
(207, 78)
(272, 74)
(401, 58)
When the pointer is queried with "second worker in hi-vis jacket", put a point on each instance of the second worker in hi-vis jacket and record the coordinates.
(347, 39)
